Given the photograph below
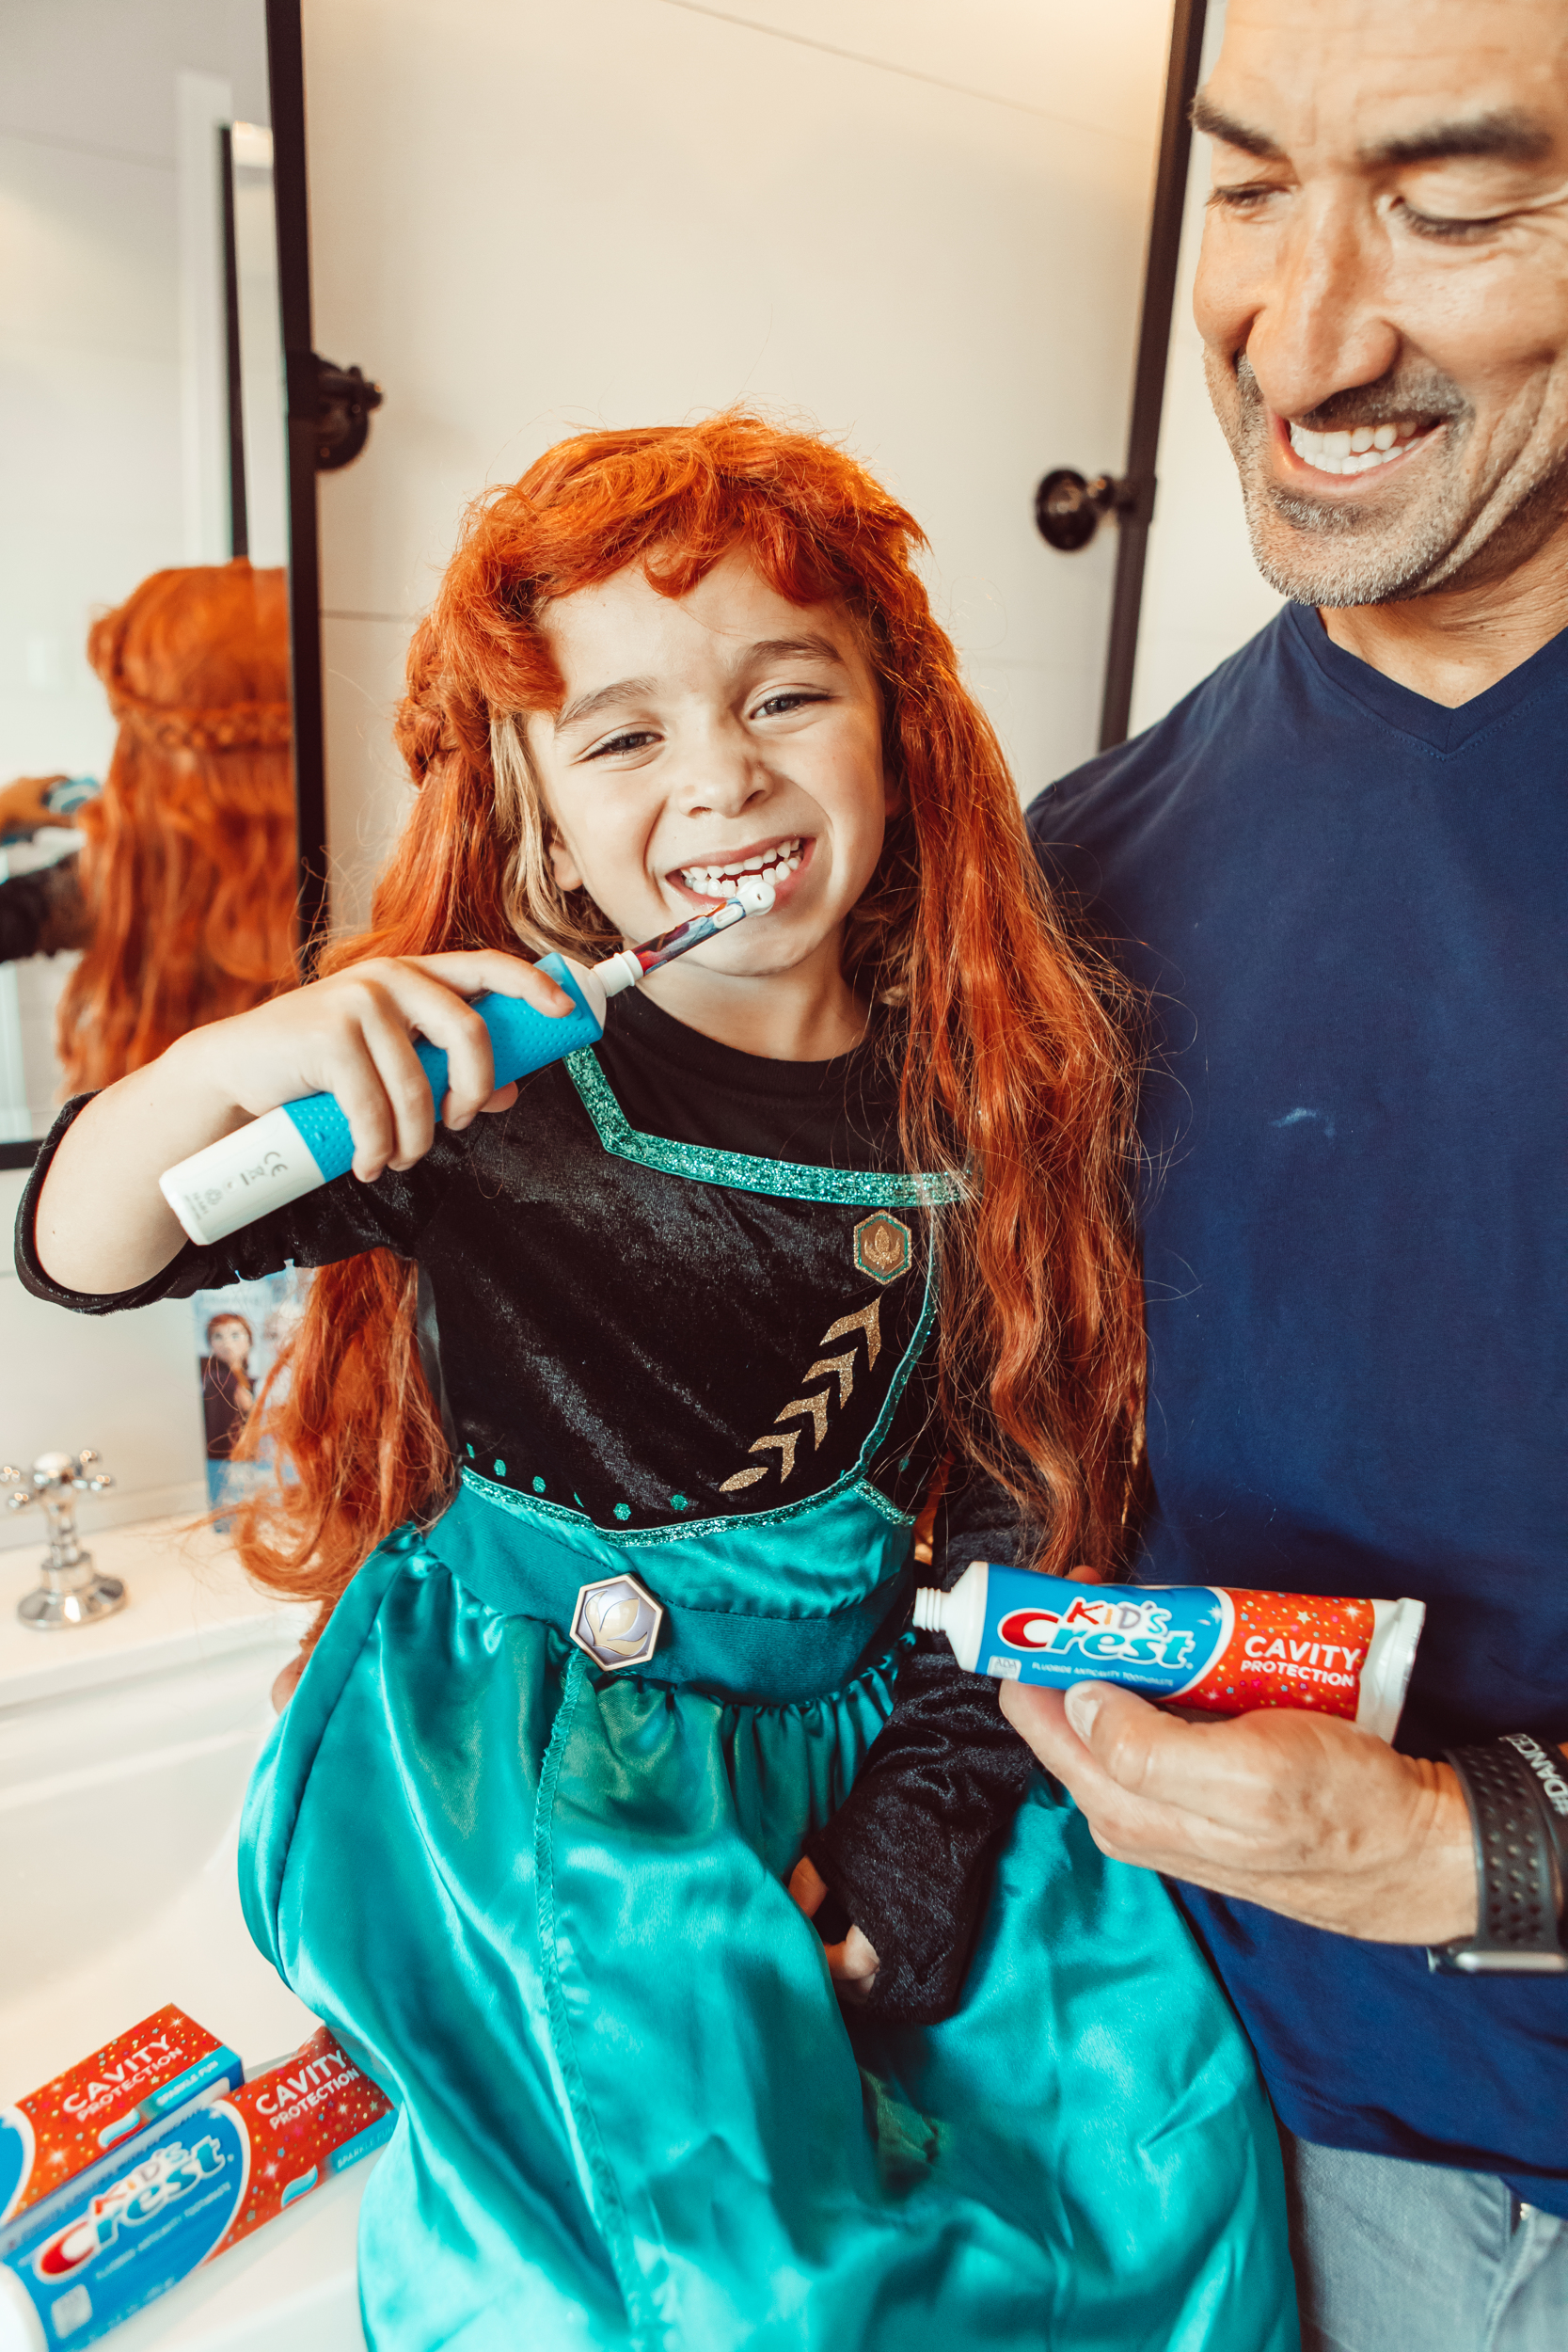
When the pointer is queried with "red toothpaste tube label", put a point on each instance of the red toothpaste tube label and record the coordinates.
(53, 2134)
(1219, 1650)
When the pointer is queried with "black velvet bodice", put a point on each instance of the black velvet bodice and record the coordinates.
(677, 1282)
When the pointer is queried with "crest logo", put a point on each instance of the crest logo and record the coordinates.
(883, 1247)
(1114, 1629)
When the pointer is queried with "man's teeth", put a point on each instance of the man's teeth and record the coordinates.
(1354, 452)
(716, 881)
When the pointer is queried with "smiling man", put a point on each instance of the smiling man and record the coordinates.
(1341, 868)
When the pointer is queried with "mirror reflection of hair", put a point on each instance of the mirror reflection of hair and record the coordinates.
(188, 872)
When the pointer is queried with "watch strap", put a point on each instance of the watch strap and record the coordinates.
(1549, 1769)
(1514, 1827)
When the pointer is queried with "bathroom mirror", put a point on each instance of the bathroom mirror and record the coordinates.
(147, 434)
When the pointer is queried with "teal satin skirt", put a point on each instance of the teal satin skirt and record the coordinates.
(545, 1907)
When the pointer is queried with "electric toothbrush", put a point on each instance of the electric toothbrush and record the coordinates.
(302, 1145)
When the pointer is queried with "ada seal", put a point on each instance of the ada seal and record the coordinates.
(883, 1247)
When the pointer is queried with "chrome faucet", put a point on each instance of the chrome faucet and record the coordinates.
(71, 1591)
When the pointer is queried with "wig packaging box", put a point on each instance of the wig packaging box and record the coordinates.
(182, 2193)
(240, 1332)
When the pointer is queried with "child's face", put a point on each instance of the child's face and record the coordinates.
(730, 726)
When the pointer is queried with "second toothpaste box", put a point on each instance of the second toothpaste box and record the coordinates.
(186, 2191)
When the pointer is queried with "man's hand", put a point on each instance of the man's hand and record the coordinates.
(852, 1963)
(1300, 1813)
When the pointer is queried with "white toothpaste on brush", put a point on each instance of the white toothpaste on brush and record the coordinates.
(305, 1144)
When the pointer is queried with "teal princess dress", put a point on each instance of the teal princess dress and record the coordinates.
(523, 1834)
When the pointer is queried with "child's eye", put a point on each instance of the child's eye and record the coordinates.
(634, 740)
(792, 700)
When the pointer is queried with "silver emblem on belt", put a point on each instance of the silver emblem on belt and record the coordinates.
(617, 1621)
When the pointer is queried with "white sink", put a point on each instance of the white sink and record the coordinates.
(124, 1751)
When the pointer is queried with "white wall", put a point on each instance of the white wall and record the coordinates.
(1203, 594)
(917, 225)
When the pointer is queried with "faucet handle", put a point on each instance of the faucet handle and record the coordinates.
(99, 1482)
(21, 1495)
(71, 1591)
(55, 1476)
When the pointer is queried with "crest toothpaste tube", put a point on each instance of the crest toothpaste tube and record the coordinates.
(287, 1152)
(1200, 1645)
(53, 2134)
(188, 2190)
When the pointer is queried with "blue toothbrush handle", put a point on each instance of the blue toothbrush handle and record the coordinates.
(521, 1037)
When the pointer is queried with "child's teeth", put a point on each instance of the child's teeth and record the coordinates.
(772, 866)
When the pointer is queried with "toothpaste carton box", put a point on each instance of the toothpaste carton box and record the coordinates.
(184, 2192)
(53, 2134)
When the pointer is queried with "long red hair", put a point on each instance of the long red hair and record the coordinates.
(188, 868)
(1017, 1077)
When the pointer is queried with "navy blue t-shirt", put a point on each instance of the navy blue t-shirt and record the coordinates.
(1350, 904)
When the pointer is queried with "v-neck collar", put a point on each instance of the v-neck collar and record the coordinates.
(1442, 730)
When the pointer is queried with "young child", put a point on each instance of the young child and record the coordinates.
(835, 1213)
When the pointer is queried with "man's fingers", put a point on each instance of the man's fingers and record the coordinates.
(1128, 1821)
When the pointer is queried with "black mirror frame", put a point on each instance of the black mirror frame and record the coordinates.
(286, 86)
(286, 91)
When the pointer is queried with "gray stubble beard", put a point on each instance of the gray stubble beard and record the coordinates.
(1328, 561)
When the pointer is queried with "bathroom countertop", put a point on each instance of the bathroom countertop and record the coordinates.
(189, 1600)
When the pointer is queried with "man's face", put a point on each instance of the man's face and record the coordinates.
(1382, 290)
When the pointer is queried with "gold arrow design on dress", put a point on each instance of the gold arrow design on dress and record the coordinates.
(786, 1442)
(845, 1367)
(869, 1320)
(841, 1367)
(815, 1405)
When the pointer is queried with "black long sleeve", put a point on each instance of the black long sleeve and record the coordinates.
(909, 1855)
(43, 913)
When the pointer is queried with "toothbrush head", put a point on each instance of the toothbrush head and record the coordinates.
(754, 895)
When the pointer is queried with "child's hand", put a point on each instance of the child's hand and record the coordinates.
(853, 1964)
(352, 1036)
(24, 807)
(103, 1226)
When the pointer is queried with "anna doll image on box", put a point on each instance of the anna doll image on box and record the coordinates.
(739, 1980)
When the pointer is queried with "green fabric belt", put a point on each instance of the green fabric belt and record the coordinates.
(523, 1569)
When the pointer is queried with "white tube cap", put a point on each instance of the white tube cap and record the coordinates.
(1386, 1676)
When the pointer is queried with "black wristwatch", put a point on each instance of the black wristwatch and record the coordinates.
(1517, 1789)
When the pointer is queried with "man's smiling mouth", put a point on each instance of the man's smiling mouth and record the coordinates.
(775, 862)
(1359, 449)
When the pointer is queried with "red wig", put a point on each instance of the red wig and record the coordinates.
(188, 872)
(1016, 1076)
